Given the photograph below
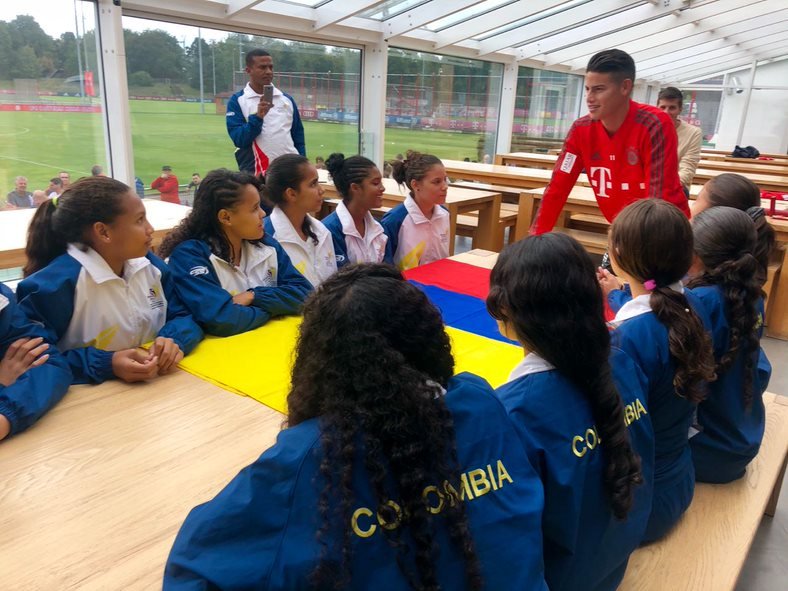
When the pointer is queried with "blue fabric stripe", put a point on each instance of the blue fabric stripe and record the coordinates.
(463, 312)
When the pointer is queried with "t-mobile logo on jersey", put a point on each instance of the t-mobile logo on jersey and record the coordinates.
(600, 179)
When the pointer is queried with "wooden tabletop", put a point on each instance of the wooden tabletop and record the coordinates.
(94, 493)
(526, 178)
(163, 217)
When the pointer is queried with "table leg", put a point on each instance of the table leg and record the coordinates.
(452, 207)
(488, 235)
(778, 307)
(525, 215)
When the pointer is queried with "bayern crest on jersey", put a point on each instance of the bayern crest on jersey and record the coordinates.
(632, 156)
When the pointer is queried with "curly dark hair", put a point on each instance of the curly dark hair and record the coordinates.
(371, 358)
(68, 217)
(651, 239)
(220, 189)
(725, 240)
(545, 287)
(734, 190)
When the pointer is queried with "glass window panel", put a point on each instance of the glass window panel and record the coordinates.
(390, 9)
(531, 19)
(467, 14)
(310, 3)
(51, 113)
(546, 105)
(170, 126)
(442, 105)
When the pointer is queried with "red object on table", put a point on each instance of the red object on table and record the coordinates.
(774, 197)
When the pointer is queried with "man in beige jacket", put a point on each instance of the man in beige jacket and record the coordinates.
(671, 101)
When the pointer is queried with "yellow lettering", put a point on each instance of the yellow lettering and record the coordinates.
(362, 533)
(479, 482)
(466, 489)
(397, 519)
(492, 478)
(591, 433)
(437, 508)
(640, 407)
(578, 452)
(503, 474)
(629, 414)
(451, 493)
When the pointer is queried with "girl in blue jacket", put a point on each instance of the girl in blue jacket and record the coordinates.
(92, 282)
(230, 274)
(731, 419)
(358, 237)
(34, 376)
(575, 414)
(419, 228)
(293, 186)
(663, 328)
(392, 474)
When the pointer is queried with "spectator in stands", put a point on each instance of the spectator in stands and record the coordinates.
(629, 150)
(39, 196)
(191, 188)
(55, 187)
(97, 171)
(167, 185)
(20, 196)
(257, 145)
(65, 177)
(690, 137)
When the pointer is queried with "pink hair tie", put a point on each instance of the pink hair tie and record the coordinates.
(650, 285)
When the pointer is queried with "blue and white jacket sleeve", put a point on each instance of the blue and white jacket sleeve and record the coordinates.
(334, 226)
(198, 287)
(392, 222)
(39, 388)
(618, 297)
(47, 297)
(242, 131)
(297, 129)
(180, 326)
(251, 514)
(291, 287)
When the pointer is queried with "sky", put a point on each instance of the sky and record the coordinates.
(57, 16)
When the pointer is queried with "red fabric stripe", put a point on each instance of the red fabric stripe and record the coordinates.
(260, 160)
(453, 276)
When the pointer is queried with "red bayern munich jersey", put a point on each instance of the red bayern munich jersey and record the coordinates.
(640, 160)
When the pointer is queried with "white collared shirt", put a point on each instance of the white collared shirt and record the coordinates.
(531, 363)
(640, 305)
(422, 240)
(114, 313)
(258, 268)
(275, 139)
(316, 262)
(370, 248)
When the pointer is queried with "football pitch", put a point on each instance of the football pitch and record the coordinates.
(40, 144)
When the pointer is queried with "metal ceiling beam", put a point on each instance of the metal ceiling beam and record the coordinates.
(731, 51)
(334, 12)
(236, 6)
(720, 66)
(492, 20)
(569, 27)
(663, 31)
(423, 15)
(712, 42)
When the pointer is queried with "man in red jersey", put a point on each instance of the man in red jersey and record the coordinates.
(628, 150)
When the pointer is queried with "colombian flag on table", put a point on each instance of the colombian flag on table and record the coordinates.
(258, 363)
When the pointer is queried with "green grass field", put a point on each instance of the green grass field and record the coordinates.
(38, 145)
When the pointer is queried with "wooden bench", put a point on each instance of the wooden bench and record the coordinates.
(467, 224)
(707, 549)
(593, 242)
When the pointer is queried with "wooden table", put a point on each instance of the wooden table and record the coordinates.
(766, 182)
(94, 493)
(459, 201)
(13, 228)
(512, 176)
(715, 152)
(706, 157)
(777, 310)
